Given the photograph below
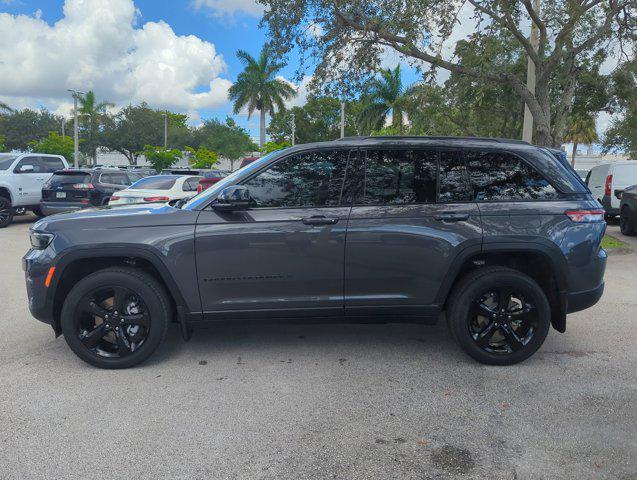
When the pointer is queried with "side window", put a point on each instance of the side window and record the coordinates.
(122, 179)
(453, 178)
(398, 177)
(190, 185)
(107, 178)
(498, 176)
(32, 161)
(51, 164)
(311, 179)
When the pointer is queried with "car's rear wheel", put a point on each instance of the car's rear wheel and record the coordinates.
(625, 223)
(6, 212)
(116, 317)
(37, 211)
(499, 316)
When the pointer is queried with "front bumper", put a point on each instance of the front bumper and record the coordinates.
(576, 301)
(36, 265)
(51, 208)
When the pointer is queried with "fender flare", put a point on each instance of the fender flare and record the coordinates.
(8, 189)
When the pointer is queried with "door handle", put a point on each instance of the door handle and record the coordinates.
(319, 220)
(452, 217)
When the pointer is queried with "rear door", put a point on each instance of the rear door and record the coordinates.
(283, 256)
(412, 217)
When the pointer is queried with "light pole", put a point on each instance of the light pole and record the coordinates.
(342, 118)
(76, 140)
(293, 128)
(527, 126)
(63, 125)
(165, 115)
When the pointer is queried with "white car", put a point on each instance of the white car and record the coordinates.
(21, 178)
(157, 188)
(607, 183)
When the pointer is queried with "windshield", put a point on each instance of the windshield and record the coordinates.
(159, 182)
(6, 161)
(202, 197)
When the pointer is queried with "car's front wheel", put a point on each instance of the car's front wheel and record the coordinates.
(6, 212)
(116, 317)
(499, 316)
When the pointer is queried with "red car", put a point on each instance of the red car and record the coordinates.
(210, 178)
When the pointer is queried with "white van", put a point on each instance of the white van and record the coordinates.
(608, 181)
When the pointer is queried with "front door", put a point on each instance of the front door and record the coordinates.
(412, 217)
(283, 256)
(29, 182)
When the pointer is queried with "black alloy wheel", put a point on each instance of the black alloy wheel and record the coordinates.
(502, 321)
(116, 317)
(6, 212)
(625, 225)
(498, 315)
(112, 322)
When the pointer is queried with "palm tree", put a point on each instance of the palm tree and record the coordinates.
(257, 87)
(89, 108)
(384, 95)
(5, 107)
(581, 129)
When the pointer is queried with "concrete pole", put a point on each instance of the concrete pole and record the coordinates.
(527, 128)
(342, 118)
(63, 125)
(165, 130)
(293, 129)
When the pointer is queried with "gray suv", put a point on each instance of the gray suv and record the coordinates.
(499, 236)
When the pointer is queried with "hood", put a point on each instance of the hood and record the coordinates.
(138, 215)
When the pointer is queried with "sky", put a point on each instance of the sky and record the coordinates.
(173, 54)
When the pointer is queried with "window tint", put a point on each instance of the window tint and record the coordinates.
(302, 180)
(502, 176)
(51, 164)
(453, 178)
(68, 178)
(190, 185)
(396, 177)
(6, 161)
(34, 161)
(159, 182)
(115, 178)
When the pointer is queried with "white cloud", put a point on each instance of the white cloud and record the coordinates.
(96, 46)
(302, 90)
(229, 7)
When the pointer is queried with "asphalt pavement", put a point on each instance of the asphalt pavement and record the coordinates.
(321, 401)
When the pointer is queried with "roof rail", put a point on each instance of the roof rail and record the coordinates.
(425, 137)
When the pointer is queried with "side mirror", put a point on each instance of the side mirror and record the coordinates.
(232, 199)
(26, 169)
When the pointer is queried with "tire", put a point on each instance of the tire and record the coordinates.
(6, 212)
(625, 225)
(471, 326)
(90, 302)
(37, 211)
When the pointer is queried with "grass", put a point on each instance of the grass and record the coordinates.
(609, 242)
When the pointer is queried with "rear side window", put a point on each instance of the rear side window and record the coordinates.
(115, 178)
(497, 176)
(398, 177)
(160, 182)
(6, 161)
(69, 178)
(51, 164)
(310, 179)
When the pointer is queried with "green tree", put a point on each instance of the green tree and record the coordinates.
(227, 139)
(270, 147)
(316, 121)
(23, 126)
(93, 112)
(55, 144)
(383, 96)
(359, 32)
(3, 147)
(5, 107)
(581, 130)
(257, 87)
(160, 157)
(202, 157)
(134, 127)
(621, 136)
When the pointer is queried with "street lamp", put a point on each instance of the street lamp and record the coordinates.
(293, 128)
(76, 140)
(165, 115)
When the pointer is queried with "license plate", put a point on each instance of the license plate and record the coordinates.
(60, 194)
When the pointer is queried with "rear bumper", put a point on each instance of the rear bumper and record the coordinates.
(577, 301)
(607, 204)
(51, 208)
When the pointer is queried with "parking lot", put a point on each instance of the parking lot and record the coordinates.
(321, 401)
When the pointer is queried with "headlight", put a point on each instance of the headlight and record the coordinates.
(40, 240)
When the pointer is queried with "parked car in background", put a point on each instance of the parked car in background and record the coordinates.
(373, 229)
(628, 211)
(210, 178)
(608, 181)
(70, 190)
(181, 171)
(140, 170)
(21, 179)
(158, 189)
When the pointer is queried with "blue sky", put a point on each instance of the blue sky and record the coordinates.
(212, 21)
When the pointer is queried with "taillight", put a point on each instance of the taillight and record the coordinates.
(114, 197)
(156, 199)
(83, 186)
(199, 188)
(586, 216)
(609, 181)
